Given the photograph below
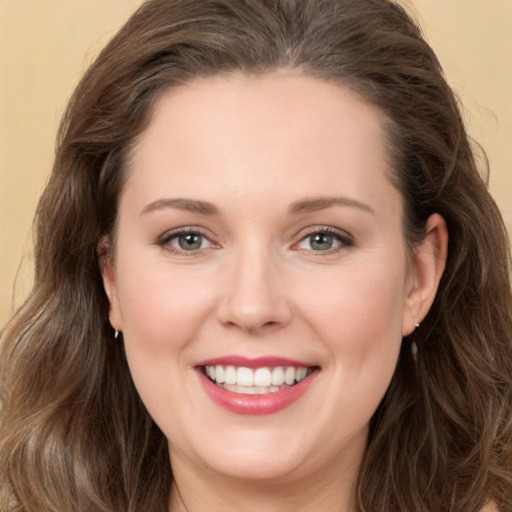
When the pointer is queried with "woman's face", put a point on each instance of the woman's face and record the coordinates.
(260, 242)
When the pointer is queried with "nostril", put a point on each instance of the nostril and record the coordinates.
(254, 317)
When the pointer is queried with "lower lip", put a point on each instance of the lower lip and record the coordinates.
(269, 403)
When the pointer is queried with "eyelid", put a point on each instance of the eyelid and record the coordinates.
(345, 239)
(164, 240)
(342, 236)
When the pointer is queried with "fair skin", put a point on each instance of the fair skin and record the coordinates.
(265, 269)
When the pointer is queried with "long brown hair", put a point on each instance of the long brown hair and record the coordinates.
(74, 434)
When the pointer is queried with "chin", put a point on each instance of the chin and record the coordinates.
(276, 455)
(259, 466)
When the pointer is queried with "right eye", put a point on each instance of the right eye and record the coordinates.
(320, 242)
(324, 240)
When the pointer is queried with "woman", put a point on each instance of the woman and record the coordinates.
(268, 274)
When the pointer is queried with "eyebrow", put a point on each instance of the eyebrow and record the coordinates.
(307, 205)
(315, 204)
(189, 205)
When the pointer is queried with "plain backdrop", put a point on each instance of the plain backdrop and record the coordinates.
(45, 45)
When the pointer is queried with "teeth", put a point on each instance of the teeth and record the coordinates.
(262, 377)
(255, 381)
(230, 375)
(253, 390)
(219, 374)
(300, 374)
(244, 376)
(278, 376)
(289, 375)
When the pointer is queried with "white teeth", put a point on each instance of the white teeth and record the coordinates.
(278, 376)
(262, 377)
(253, 390)
(230, 375)
(244, 376)
(300, 374)
(219, 374)
(289, 375)
(255, 381)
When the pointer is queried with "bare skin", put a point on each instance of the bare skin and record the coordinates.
(280, 186)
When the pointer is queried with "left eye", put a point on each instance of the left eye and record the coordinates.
(188, 241)
(321, 241)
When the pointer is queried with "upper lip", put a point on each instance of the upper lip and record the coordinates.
(253, 362)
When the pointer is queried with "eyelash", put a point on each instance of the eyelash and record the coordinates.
(345, 240)
(165, 240)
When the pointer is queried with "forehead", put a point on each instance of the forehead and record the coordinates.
(248, 136)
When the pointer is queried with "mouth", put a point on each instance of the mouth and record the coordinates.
(255, 386)
(255, 381)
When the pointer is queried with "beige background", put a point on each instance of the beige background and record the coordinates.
(45, 45)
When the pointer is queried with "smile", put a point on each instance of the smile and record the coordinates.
(255, 381)
(258, 386)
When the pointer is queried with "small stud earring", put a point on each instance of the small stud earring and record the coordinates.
(416, 324)
(116, 334)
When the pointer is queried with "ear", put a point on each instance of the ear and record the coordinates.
(427, 266)
(109, 281)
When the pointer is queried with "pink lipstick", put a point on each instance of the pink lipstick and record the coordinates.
(255, 386)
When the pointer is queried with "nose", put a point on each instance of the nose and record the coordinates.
(253, 294)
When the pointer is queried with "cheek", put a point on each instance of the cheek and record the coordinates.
(357, 309)
(161, 307)
(358, 318)
(162, 311)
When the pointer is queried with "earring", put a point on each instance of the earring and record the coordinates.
(416, 325)
(116, 334)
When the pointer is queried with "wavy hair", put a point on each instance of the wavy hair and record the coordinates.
(74, 434)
